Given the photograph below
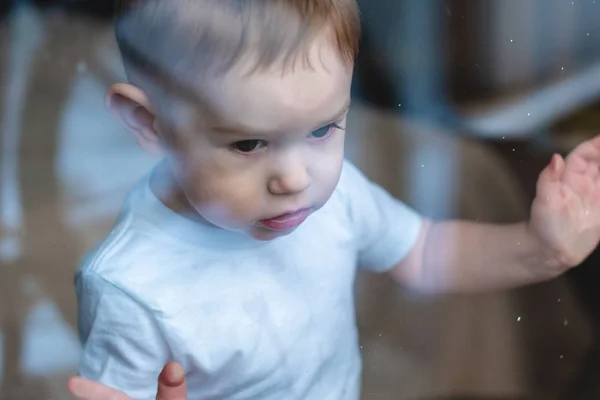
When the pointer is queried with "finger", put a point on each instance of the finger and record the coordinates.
(86, 389)
(592, 171)
(172, 383)
(596, 142)
(597, 177)
(588, 151)
(550, 175)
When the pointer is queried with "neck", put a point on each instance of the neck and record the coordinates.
(166, 188)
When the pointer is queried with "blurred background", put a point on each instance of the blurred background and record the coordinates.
(458, 105)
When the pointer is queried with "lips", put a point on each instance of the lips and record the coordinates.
(287, 220)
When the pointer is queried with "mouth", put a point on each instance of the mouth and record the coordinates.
(286, 221)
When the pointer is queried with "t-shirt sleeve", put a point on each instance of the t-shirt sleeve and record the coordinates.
(385, 228)
(122, 344)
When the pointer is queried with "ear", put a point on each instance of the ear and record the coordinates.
(131, 106)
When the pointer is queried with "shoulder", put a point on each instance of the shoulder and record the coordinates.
(105, 268)
(119, 247)
(122, 279)
(133, 255)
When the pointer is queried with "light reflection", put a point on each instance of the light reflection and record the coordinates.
(50, 345)
(25, 40)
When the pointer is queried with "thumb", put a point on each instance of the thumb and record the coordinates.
(172, 383)
(549, 175)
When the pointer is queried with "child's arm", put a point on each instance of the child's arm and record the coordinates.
(563, 230)
(460, 256)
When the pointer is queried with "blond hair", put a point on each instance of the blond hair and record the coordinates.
(170, 39)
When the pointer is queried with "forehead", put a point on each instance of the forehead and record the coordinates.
(313, 89)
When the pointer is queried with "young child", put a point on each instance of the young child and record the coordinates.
(236, 256)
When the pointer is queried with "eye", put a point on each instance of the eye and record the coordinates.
(325, 131)
(248, 146)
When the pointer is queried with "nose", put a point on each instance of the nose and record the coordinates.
(291, 177)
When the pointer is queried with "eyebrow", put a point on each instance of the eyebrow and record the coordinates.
(241, 129)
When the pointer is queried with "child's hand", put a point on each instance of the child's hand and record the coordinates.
(171, 386)
(565, 215)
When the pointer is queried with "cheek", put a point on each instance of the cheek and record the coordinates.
(217, 188)
(333, 175)
(328, 166)
(222, 197)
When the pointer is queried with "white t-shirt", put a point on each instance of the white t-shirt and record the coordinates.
(247, 319)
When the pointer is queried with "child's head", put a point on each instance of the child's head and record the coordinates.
(246, 99)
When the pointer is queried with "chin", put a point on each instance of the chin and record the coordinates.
(265, 235)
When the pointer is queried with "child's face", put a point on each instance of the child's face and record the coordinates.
(273, 151)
